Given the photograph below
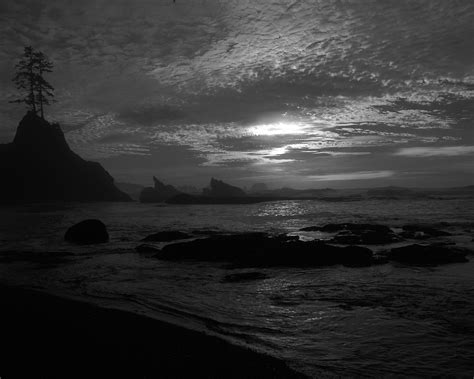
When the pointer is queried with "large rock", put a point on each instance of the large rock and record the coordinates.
(422, 232)
(159, 193)
(167, 236)
(421, 255)
(87, 232)
(262, 250)
(218, 188)
(39, 166)
(357, 234)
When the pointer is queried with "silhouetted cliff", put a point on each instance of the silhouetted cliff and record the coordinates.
(160, 192)
(39, 166)
(218, 188)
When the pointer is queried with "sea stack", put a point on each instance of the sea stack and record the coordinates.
(40, 166)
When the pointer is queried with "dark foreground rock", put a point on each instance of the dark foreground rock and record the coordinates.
(39, 166)
(45, 336)
(348, 226)
(422, 232)
(421, 255)
(244, 277)
(87, 232)
(167, 236)
(262, 250)
(357, 234)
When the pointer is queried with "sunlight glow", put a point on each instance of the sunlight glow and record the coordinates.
(279, 128)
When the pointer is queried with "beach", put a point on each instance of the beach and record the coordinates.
(47, 336)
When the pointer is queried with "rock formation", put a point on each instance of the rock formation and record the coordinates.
(87, 232)
(39, 166)
(218, 188)
(159, 193)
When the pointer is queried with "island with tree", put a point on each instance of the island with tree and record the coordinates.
(38, 165)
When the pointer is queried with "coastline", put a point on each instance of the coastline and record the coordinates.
(47, 336)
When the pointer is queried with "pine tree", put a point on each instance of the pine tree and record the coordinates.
(25, 79)
(35, 89)
(44, 90)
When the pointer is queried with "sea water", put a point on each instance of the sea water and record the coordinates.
(382, 320)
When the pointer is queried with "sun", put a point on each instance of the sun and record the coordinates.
(278, 128)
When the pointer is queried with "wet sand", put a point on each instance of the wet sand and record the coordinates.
(46, 336)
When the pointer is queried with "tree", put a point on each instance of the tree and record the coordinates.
(44, 90)
(25, 79)
(35, 89)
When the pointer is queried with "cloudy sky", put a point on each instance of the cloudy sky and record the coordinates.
(302, 93)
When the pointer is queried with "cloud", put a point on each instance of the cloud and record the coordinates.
(435, 151)
(360, 175)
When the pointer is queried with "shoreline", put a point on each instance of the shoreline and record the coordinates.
(46, 336)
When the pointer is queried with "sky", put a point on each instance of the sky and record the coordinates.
(300, 93)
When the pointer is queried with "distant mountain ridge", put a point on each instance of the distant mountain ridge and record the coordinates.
(40, 166)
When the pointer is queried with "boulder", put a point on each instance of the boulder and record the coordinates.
(167, 236)
(422, 255)
(87, 232)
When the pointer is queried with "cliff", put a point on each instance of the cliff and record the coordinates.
(218, 188)
(160, 192)
(39, 166)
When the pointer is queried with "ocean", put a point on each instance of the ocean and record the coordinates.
(381, 320)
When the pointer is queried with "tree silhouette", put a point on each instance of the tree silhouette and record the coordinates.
(44, 90)
(35, 90)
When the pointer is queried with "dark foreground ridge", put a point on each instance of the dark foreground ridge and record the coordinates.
(46, 336)
(39, 166)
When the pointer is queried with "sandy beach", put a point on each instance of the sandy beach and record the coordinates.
(46, 336)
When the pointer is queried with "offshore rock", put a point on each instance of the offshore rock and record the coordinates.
(87, 232)
(39, 166)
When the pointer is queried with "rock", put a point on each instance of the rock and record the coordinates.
(243, 277)
(218, 188)
(146, 249)
(422, 232)
(39, 166)
(167, 236)
(87, 232)
(159, 193)
(185, 198)
(353, 227)
(366, 237)
(421, 255)
(262, 250)
(357, 234)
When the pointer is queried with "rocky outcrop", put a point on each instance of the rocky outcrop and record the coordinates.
(39, 166)
(167, 236)
(427, 255)
(219, 189)
(357, 234)
(159, 193)
(87, 232)
(421, 232)
(262, 250)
